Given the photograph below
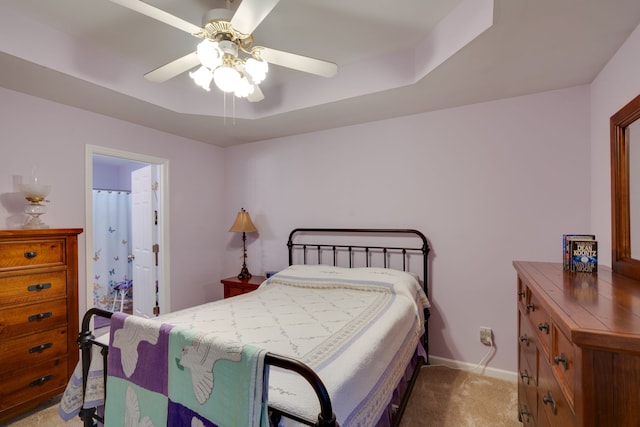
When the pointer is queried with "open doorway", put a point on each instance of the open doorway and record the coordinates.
(138, 186)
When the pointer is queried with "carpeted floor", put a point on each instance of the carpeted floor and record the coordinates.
(442, 397)
(44, 415)
(446, 397)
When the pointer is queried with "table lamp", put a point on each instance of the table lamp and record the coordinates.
(243, 225)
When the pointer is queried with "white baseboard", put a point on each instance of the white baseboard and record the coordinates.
(482, 370)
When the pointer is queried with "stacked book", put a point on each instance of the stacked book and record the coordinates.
(580, 252)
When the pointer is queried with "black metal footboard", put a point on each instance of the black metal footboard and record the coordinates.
(86, 340)
(90, 416)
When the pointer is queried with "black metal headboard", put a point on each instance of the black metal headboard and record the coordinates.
(418, 245)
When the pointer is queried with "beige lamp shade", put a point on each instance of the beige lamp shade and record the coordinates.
(243, 223)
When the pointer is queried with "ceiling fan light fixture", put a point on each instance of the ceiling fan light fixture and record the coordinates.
(226, 78)
(209, 54)
(224, 34)
(257, 69)
(202, 77)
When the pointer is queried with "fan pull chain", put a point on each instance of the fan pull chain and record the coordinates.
(233, 109)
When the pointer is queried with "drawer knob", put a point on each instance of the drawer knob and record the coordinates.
(41, 380)
(521, 294)
(531, 307)
(38, 287)
(561, 359)
(548, 400)
(524, 415)
(41, 347)
(30, 254)
(544, 326)
(40, 316)
(524, 339)
(525, 376)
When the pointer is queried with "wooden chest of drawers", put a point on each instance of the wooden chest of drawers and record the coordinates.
(579, 347)
(38, 315)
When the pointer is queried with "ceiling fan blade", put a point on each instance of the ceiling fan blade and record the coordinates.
(173, 68)
(297, 62)
(159, 15)
(257, 94)
(250, 14)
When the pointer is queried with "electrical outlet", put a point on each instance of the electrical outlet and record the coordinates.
(485, 335)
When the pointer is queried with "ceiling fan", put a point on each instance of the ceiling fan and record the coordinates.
(226, 54)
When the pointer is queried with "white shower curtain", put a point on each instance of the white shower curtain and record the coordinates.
(111, 244)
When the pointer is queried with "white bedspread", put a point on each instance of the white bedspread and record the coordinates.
(357, 328)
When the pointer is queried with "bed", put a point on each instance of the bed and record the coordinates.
(336, 338)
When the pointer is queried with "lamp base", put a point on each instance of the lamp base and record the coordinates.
(34, 210)
(244, 273)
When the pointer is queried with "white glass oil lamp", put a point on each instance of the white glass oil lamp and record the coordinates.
(35, 193)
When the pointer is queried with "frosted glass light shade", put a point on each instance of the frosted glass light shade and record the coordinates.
(209, 54)
(226, 78)
(35, 190)
(244, 88)
(202, 77)
(256, 69)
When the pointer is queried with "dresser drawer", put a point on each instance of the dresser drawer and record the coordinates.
(31, 253)
(527, 375)
(30, 288)
(32, 318)
(528, 339)
(541, 322)
(33, 349)
(551, 399)
(523, 294)
(526, 413)
(527, 391)
(562, 362)
(22, 385)
(235, 290)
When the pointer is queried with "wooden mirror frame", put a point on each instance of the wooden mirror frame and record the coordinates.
(622, 262)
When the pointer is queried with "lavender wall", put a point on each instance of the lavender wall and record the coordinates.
(53, 137)
(108, 176)
(487, 184)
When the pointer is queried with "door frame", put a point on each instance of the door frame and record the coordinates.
(164, 288)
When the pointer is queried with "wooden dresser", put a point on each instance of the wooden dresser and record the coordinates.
(579, 347)
(38, 315)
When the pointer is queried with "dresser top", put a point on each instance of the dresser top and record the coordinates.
(600, 309)
(41, 232)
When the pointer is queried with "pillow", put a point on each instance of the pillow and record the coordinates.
(401, 282)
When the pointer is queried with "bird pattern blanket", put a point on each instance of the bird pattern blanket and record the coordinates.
(163, 375)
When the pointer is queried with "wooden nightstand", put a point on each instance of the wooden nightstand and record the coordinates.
(234, 286)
